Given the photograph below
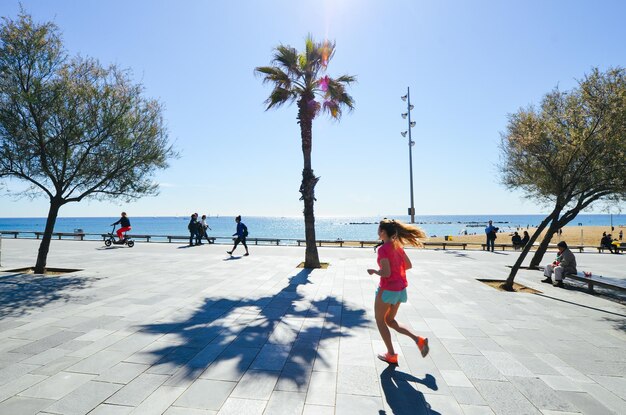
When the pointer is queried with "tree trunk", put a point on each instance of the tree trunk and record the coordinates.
(307, 188)
(44, 247)
(543, 246)
(508, 285)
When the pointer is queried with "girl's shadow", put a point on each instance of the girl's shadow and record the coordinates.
(402, 397)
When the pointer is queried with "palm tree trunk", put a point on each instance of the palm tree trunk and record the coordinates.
(307, 188)
(44, 247)
(508, 285)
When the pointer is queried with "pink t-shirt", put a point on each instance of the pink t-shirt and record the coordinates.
(397, 279)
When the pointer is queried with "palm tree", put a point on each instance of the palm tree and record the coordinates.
(300, 77)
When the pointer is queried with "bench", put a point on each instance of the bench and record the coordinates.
(170, 238)
(598, 280)
(319, 242)
(62, 234)
(368, 243)
(14, 233)
(444, 244)
(580, 248)
(621, 247)
(257, 240)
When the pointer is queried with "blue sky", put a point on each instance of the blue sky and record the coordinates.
(468, 65)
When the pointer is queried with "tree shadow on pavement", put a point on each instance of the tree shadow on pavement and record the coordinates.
(402, 397)
(274, 335)
(21, 293)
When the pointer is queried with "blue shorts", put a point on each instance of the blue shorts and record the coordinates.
(393, 297)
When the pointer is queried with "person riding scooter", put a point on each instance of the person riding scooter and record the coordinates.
(125, 227)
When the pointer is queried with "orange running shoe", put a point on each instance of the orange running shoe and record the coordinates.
(422, 344)
(392, 359)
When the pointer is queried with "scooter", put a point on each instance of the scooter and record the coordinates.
(111, 239)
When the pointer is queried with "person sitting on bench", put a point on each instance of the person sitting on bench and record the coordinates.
(565, 263)
(607, 243)
(516, 240)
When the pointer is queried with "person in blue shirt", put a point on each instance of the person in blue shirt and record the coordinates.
(491, 232)
(241, 234)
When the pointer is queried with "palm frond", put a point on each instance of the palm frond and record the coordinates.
(287, 58)
(274, 75)
(279, 97)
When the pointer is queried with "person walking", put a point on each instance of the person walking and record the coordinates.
(204, 226)
(193, 228)
(391, 292)
(621, 235)
(124, 223)
(491, 232)
(241, 234)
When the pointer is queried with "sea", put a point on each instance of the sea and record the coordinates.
(292, 228)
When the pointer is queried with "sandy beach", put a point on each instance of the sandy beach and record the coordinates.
(573, 235)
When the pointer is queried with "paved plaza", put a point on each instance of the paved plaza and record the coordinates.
(164, 328)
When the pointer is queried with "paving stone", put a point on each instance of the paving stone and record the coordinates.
(614, 384)
(272, 357)
(541, 395)
(504, 398)
(476, 410)
(585, 403)
(99, 362)
(47, 342)
(456, 378)
(15, 371)
(561, 383)
(357, 405)
(478, 367)
(83, 399)
(159, 400)
(137, 390)
(231, 364)
(22, 383)
(196, 395)
(294, 378)
(358, 380)
(122, 372)
(20, 405)
(56, 366)
(173, 410)
(322, 389)
(106, 409)
(256, 384)
(318, 410)
(607, 398)
(285, 403)
(442, 404)
(467, 396)
(237, 406)
(507, 364)
(57, 386)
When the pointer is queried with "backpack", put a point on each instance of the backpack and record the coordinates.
(245, 231)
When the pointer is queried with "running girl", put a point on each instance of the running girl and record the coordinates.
(393, 263)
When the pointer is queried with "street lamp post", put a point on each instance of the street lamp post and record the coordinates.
(409, 107)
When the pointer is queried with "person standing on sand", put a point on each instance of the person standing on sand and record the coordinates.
(491, 232)
(392, 265)
(241, 234)
(621, 235)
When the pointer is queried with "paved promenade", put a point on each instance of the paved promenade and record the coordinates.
(163, 328)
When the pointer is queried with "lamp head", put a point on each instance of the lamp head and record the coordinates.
(412, 124)
(404, 97)
(404, 115)
(411, 106)
(403, 133)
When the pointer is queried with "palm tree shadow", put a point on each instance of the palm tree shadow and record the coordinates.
(271, 334)
(402, 397)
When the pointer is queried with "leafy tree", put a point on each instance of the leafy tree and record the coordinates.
(300, 77)
(568, 153)
(71, 128)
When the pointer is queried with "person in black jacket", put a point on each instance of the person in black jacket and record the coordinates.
(193, 228)
(124, 223)
(525, 239)
(516, 240)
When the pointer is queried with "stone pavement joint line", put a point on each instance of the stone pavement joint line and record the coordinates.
(159, 329)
